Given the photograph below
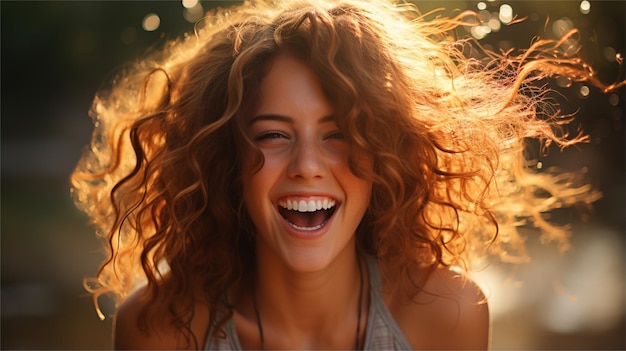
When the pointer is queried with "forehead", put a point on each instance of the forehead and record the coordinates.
(291, 88)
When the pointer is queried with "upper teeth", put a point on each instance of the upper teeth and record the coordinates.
(307, 205)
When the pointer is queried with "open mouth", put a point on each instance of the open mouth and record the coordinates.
(307, 215)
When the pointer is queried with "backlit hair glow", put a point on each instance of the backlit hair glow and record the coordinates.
(161, 179)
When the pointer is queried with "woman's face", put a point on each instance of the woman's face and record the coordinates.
(305, 201)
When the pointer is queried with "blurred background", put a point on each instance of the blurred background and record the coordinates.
(56, 55)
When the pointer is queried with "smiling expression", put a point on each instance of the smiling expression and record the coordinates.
(305, 202)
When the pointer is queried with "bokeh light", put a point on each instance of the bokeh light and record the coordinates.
(609, 54)
(563, 82)
(494, 24)
(151, 22)
(188, 4)
(194, 13)
(506, 13)
(489, 22)
(585, 7)
(561, 26)
(480, 32)
(484, 16)
(584, 91)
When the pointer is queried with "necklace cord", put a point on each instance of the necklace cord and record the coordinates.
(358, 319)
(258, 318)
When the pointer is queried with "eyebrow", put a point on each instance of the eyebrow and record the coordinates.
(287, 119)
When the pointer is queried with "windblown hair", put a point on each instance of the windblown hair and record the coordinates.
(161, 180)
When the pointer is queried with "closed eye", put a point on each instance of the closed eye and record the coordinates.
(335, 135)
(270, 136)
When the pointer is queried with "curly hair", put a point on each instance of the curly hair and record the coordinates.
(161, 180)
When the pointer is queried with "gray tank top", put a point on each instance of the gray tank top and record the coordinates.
(382, 333)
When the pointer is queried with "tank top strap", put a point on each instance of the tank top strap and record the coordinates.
(229, 339)
(382, 333)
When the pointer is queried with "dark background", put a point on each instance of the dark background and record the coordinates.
(56, 55)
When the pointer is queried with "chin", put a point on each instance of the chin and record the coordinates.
(308, 256)
(308, 262)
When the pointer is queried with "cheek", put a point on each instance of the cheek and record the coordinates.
(362, 187)
(364, 170)
(358, 189)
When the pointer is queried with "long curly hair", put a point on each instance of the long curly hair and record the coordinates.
(161, 179)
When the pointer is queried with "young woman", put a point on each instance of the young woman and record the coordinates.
(305, 175)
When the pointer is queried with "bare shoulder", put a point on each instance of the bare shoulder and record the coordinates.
(450, 313)
(129, 334)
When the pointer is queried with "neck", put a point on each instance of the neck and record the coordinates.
(307, 297)
(304, 308)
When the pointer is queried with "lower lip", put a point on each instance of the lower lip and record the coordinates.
(306, 234)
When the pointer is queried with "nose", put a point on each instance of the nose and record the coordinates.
(308, 161)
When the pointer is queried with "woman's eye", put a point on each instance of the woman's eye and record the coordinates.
(270, 136)
(335, 135)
